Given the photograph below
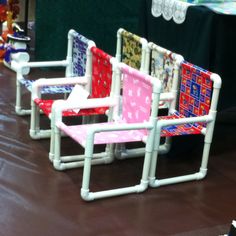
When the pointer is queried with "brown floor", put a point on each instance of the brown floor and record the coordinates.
(36, 200)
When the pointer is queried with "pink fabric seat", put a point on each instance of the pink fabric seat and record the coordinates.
(80, 132)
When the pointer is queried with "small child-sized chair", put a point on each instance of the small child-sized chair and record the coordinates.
(136, 124)
(74, 66)
(97, 81)
(164, 65)
(194, 113)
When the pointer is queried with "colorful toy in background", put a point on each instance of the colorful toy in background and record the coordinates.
(13, 42)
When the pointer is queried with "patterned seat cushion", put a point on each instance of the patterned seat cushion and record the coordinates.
(176, 130)
(79, 134)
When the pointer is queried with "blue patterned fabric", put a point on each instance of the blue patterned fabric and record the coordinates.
(80, 45)
(47, 89)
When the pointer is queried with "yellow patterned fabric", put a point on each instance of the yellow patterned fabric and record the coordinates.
(131, 50)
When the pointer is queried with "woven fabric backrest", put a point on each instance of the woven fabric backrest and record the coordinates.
(131, 49)
(101, 73)
(137, 95)
(79, 57)
(195, 91)
(162, 67)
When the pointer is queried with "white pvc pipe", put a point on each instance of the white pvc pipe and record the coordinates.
(89, 196)
(174, 180)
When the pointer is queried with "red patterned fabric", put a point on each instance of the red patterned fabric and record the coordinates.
(195, 91)
(194, 100)
(176, 130)
(46, 107)
(101, 85)
(101, 74)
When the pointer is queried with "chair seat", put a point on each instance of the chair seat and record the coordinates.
(46, 107)
(176, 130)
(79, 134)
(48, 89)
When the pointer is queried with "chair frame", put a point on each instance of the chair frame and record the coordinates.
(35, 131)
(209, 119)
(89, 158)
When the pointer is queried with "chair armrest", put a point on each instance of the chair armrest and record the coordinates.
(185, 120)
(38, 84)
(18, 66)
(122, 126)
(166, 96)
(63, 105)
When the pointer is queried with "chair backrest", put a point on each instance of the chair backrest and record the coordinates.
(101, 73)
(131, 49)
(195, 90)
(137, 95)
(76, 54)
(162, 65)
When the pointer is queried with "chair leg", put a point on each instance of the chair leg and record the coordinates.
(154, 182)
(18, 106)
(33, 121)
(52, 147)
(152, 173)
(56, 149)
(35, 131)
(90, 196)
(206, 150)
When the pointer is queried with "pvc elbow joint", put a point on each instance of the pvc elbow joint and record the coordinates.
(142, 186)
(58, 165)
(201, 174)
(86, 195)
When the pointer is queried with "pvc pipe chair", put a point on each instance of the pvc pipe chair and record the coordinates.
(164, 66)
(131, 49)
(97, 79)
(136, 124)
(74, 66)
(195, 114)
